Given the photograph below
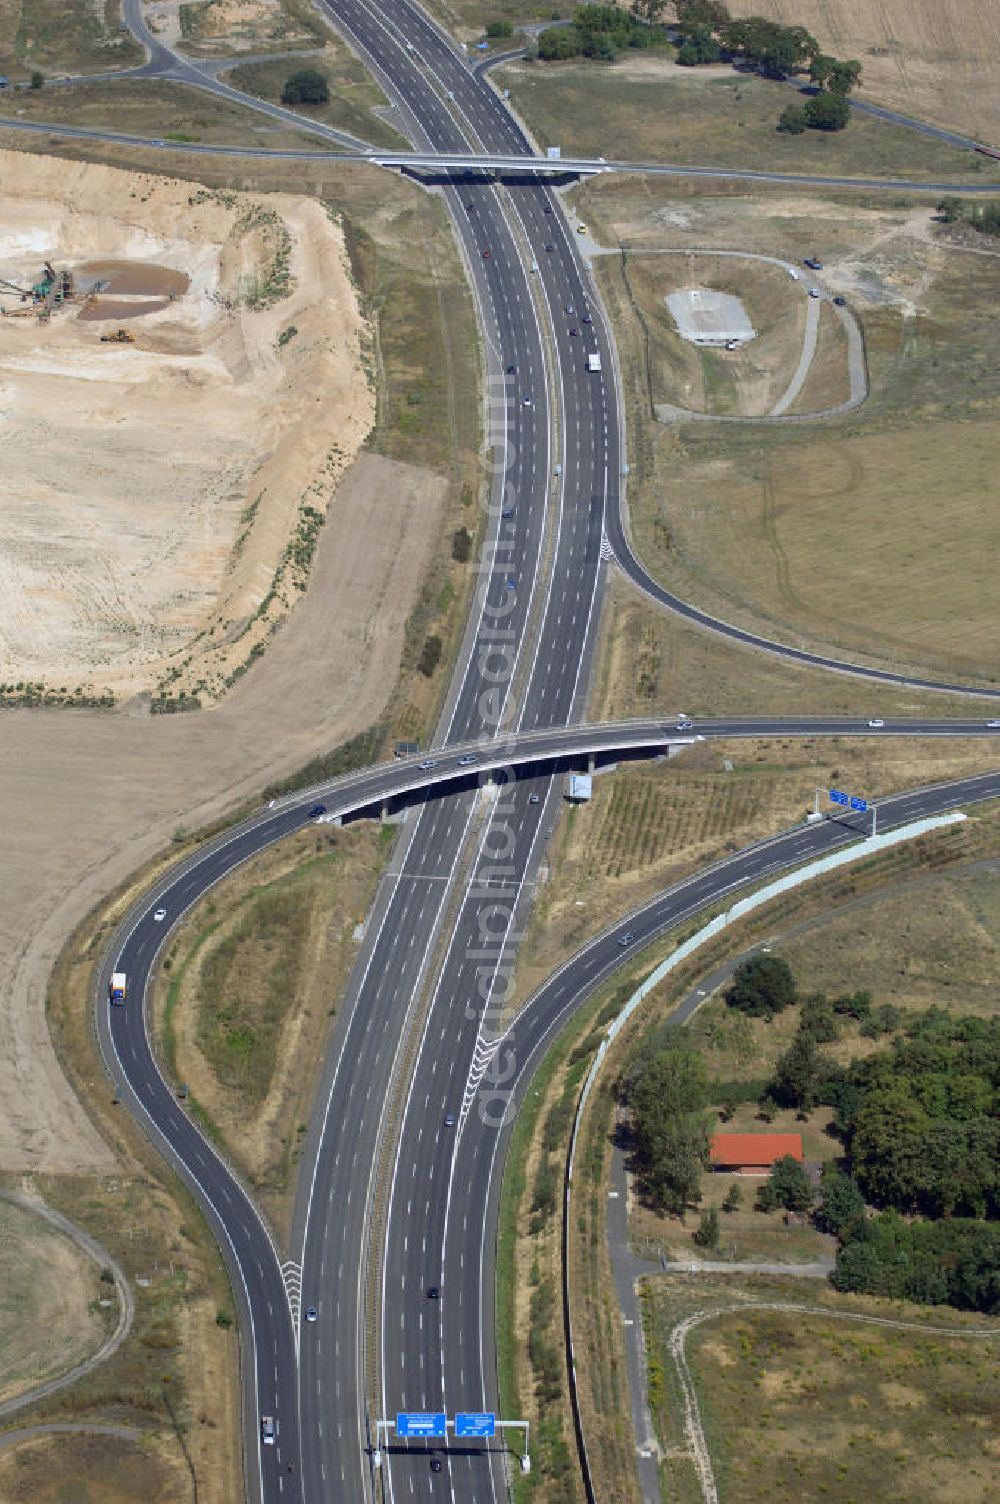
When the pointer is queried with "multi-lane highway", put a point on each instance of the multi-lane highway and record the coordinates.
(521, 671)
(270, 1372)
(417, 1038)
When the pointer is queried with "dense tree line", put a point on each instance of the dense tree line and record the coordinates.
(668, 1096)
(953, 1262)
(915, 1202)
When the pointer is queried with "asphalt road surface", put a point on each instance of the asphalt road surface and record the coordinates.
(271, 1369)
(451, 894)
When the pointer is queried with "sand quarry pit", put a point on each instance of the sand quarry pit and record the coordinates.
(153, 492)
(150, 489)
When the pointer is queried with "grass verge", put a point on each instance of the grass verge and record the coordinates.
(906, 1413)
(355, 99)
(147, 107)
(654, 110)
(250, 988)
(64, 36)
(529, 1325)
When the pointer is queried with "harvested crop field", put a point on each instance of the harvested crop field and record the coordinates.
(240, 399)
(936, 59)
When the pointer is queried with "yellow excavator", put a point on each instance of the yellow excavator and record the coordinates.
(118, 337)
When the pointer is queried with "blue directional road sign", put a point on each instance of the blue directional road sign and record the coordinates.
(836, 797)
(476, 1423)
(421, 1423)
(859, 804)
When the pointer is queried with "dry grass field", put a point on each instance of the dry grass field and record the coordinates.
(248, 997)
(812, 1404)
(91, 1470)
(649, 662)
(355, 99)
(926, 942)
(646, 108)
(49, 1319)
(218, 28)
(159, 110)
(872, 535)
(647, 827)
(736, 383)
(63, 36)
(466, 19)
(935, 59)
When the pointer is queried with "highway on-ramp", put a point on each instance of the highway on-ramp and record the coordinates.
(255, 1266)
(487, 1109)
(523, 668)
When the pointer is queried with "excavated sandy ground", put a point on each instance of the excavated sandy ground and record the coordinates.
(87, 796)
(127, 497)
(129, 470)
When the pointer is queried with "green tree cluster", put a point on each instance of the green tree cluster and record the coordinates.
(772, 49)
(598, 31)
(827, 112)
(306, 86)
(786, 1186)
(920, 1126)
(952, 1262)
(833, 74)
(500, 28)
(430, 656)
(706, 1234)
(762, 986)
(698, 47)
(669, 1123)
(982, 217)
(921, 1121)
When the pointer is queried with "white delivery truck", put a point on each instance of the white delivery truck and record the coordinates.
(119, 987)
(594, 362)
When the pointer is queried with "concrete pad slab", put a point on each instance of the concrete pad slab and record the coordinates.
(706, 317)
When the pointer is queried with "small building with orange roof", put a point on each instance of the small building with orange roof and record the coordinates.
(752, 1153)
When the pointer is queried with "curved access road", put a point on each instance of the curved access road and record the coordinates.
(268, 1318)
(461, 1243)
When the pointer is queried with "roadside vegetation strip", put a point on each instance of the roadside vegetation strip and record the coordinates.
(529, 1334)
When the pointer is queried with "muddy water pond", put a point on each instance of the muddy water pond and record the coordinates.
(128, 289)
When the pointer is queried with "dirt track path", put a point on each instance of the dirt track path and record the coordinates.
(694, 1431)
(126, 1305)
